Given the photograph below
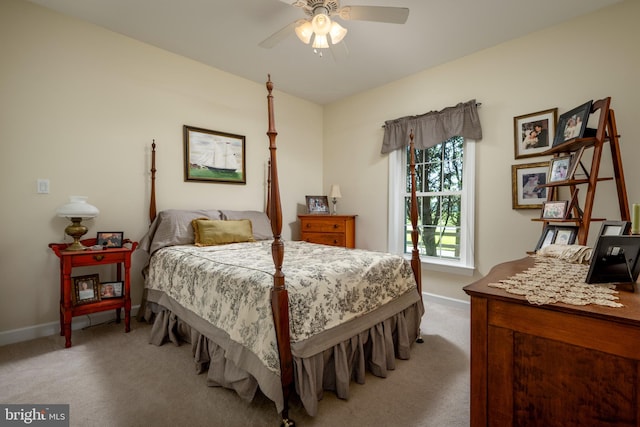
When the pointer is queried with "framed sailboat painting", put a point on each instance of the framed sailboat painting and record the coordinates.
(211, 156)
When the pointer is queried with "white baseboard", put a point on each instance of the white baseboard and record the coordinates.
(53, 328)
(452, 302)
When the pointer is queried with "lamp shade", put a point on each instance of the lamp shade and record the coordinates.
(335, 192)
(304, 31)
(337, 32)
(77, 208)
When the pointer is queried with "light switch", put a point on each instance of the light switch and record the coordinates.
(43, 186)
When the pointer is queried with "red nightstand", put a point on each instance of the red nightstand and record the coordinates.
(71, 259)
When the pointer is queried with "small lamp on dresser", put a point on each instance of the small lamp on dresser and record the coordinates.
(335, 195)
(76, 210)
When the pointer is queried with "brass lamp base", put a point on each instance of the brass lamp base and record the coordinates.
(76, 230)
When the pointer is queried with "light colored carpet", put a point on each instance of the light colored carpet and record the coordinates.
(110, 378)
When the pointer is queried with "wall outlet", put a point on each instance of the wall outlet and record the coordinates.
(43, 186)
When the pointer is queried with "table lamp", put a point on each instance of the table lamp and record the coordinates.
(76, 210)
(335, 195)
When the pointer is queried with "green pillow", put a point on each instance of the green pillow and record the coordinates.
(210, 232)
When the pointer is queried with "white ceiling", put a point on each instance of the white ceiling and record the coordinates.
(225, 34)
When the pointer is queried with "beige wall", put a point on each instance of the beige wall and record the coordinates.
(591, 57)
(80, 106)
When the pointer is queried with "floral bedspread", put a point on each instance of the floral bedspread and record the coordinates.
(230, 286)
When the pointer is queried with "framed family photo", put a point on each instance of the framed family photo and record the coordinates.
(533, 133)
(110, 239)
(558, 235)
(559, 168)
(572, 124)
(85, 289)
(555, 209)
(527, 185)
(211, 156)
(317, 205)
(111, 290)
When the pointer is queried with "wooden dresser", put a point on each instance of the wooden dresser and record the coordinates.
(334, 230)
(552, 365)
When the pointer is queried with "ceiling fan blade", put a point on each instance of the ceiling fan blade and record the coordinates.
(279, 35)
(339, 51)
(296, 3)
(392, 15)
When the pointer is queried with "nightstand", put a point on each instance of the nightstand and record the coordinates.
(70, 259)
(334, 230)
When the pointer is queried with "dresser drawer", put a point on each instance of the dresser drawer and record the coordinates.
(333, 239)
(323, 226)
(97, 258)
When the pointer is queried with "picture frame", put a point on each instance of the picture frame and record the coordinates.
(559, 168)
(317, 205)
(615, 260)
(533, 133)
(572, 124)
(555, 209)
(111, 290)
(85, 289)
(110, 239)
(557, 234)
(527, 185)
(212, 156)
(615, 228)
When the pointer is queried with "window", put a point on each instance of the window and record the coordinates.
(445, 192)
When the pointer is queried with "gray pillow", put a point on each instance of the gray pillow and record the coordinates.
(173, 227)
(259, 222)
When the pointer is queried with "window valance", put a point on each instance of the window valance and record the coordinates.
(434, 127)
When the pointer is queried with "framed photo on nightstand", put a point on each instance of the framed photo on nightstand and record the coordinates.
(111, 290)
(85, 289)
(110, 239)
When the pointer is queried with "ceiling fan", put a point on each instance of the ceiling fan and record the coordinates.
(319, 25)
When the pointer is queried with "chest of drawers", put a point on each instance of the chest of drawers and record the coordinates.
(334, 230)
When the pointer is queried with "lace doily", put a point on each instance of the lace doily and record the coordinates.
(553, 280)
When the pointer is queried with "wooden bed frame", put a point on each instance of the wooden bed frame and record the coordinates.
(279, 295)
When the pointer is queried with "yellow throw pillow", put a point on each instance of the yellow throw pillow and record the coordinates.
(209, 232)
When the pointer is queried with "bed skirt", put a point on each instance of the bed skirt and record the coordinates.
(344, 358)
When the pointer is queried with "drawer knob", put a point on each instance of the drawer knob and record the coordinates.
(335, 225)
(308, 225)
(98, 257)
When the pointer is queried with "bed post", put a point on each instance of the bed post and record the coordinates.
(279, 295)
(415, 253)
(152, 200)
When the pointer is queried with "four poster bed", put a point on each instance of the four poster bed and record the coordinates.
(339, 312)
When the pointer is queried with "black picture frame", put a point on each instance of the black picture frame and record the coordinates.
(572, 124)
(110, 239)
(317, 205)
(212, 156)
(615, 228)
(557, 234)
(615, 260)
(111, 290)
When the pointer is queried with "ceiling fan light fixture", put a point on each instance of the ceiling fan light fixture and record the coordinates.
(320, 42)
(304, 31)
(321, 24)
(337, 32)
